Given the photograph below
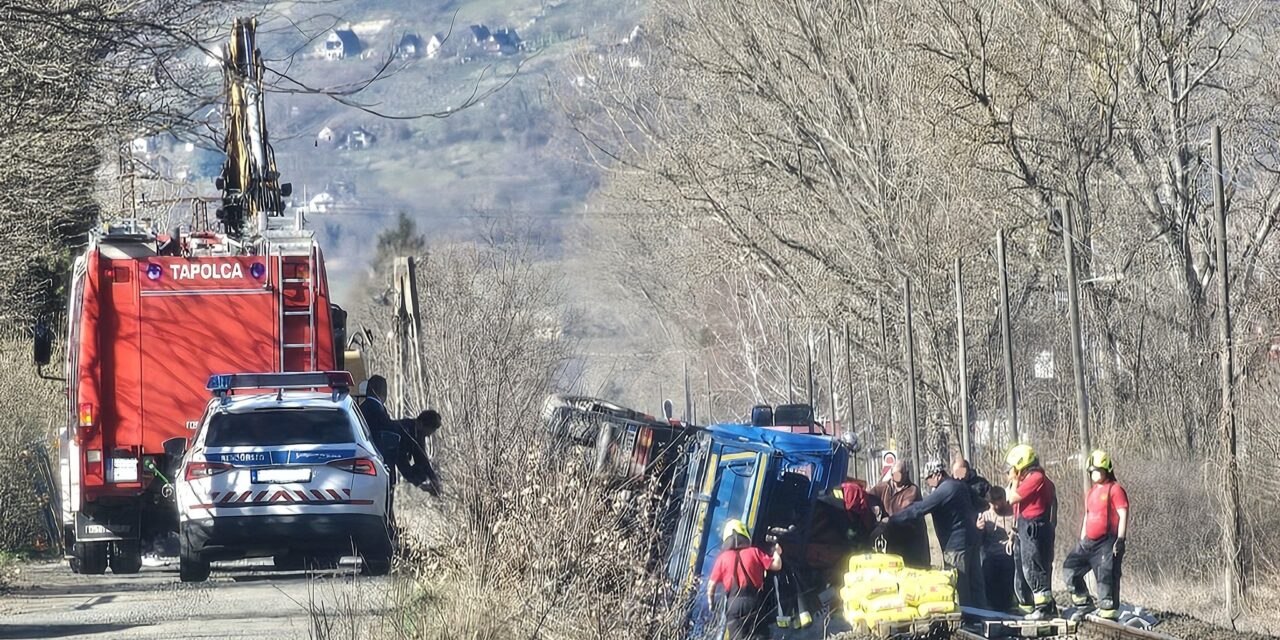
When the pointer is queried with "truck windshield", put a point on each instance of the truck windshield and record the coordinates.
(278, 427)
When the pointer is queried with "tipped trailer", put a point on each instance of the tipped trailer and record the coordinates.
(152, 316)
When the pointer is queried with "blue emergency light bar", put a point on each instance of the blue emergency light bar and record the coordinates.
(223, 384)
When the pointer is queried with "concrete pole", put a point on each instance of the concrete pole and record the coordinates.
(831, 382)
(1077, 339)
(888, 385)
(1006, 334)
(791, 389)
(911, 379)
(808, 354)
(1235, 588)
(688, 395)
(710, 413)
(966, 433)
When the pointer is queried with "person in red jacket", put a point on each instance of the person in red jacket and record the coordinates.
(1035, 501)
(1102, 536)
(739, 571)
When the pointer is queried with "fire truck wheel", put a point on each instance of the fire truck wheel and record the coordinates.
(126, 557)
(92, 557)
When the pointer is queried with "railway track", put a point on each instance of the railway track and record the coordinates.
(1091, 628)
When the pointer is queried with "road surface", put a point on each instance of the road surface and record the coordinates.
(241, 600)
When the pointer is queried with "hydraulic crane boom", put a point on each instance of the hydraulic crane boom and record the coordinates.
(250, 183)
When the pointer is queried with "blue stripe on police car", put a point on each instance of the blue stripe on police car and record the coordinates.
(265, 458)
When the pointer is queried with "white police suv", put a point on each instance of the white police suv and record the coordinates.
(285, 471)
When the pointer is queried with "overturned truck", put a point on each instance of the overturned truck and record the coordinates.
(774, 476)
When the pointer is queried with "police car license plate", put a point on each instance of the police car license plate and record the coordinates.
(281, 475)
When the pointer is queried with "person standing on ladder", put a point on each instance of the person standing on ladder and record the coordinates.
(739, 571)
(1034, 498)
(1102, 536)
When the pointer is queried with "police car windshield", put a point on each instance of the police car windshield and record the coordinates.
(274, 427)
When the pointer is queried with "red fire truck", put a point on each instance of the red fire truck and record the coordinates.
(151, 317)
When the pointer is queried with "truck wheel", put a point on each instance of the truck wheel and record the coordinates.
(191, 567)
(126, 557)
(92, 557)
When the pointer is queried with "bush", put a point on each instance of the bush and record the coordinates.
(32, 408)
(524, 543)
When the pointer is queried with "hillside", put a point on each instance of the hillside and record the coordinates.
(505, 161)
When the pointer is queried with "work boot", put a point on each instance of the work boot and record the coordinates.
(1046, 611)
(1083, 604)
(1109, 614)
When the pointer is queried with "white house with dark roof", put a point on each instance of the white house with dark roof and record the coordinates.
(341, 43)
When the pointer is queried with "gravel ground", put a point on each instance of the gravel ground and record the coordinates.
(241, 600)
(1188, 628)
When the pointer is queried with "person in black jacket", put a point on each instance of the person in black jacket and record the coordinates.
(413, 461)
(961, 470)
(410, 457)
(955, 522)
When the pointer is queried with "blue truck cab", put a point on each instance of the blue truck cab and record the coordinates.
(770, 479)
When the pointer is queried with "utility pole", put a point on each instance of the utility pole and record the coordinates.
(409, 389)
(848, 373)
(1006, 334)
(888, 386)
(911, 378)
(710, 414)
(1231, 539)
(966, 436)
(831, 382)
(791, 389)
(688, 395)
(1077, 338)
(808, 377)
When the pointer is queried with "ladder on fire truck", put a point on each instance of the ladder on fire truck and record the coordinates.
(296, 294)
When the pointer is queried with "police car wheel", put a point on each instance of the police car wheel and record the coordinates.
(378, 564)
(191, 567)
(126, 557)
(92, 557)
(286, 561)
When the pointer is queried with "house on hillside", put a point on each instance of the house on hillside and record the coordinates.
(322, 202)
(434, 45)
(411, 46)
(336, 136)
(479, 35)
(495, 42)
(504, 42)
(359, 138)
(341, 43)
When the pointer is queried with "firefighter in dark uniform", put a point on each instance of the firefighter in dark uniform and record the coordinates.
(739, 571)
(1035, 502)
(1101, 546)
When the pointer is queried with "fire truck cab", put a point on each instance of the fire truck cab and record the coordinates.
(150, 319)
